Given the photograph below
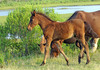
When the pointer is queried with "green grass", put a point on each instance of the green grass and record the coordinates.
(20, 4)
(2, 20)
(71, 4)
(33, 62)
(64, 16)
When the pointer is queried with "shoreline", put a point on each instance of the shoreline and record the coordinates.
(54, 5)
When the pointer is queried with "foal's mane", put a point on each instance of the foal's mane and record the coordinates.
(45, 16)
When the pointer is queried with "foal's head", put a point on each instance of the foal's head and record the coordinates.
(33, 21)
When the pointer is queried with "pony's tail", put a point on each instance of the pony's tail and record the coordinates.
(89, 31)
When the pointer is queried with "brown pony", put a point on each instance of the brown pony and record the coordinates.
(54, 31)
(54, 50)
(92, 19)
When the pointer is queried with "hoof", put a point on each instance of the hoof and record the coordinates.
(79, 60)
(42, 63)
(87, 62)
(67, 63)
(82, 56)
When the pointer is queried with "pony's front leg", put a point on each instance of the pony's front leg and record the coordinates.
(48, 42)
(93, 43)
(62, 52)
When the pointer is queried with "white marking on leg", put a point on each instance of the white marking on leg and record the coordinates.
(94, 47)
(94, 44)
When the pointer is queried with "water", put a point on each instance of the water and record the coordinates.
(5, 12)
(63, 9)
(72, 9)
(60, 10)
(9, 36)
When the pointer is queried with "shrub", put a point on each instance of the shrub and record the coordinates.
(16, 26)
(21, 41)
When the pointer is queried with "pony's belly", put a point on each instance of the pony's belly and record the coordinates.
(63, 37)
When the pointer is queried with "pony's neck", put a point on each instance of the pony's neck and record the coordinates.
(44, 21)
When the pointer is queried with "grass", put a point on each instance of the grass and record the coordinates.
(65, 16)
(32, 62)
(71, 4)
(51, 5)
(2, 20)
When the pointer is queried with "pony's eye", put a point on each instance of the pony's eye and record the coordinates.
(31, 19)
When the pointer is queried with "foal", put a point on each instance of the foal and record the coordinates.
(54, 31)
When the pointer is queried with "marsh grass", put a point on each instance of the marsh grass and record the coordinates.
(14, 5)
(32, 62)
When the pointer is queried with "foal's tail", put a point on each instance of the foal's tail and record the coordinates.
(89, 31)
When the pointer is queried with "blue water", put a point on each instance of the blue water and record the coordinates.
(72, 9)
(5, 12)
(63, 9)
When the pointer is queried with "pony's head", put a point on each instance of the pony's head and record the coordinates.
(42, 47)
(33, 21)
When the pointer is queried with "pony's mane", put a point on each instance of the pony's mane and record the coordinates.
(74, 15)
(45, 16)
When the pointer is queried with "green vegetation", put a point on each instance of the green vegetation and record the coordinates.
(10, 4)
(26, 41)
(2, 20)
(32, 62)
(22, 53)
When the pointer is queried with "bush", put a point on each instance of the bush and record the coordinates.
(24, 42)
(1, 58)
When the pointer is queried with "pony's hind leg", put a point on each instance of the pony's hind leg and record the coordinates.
(62, 52)
(85, 45)
(81, 54)
(80, 46)
(87, 52)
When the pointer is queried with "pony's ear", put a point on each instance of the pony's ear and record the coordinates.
(34, 12)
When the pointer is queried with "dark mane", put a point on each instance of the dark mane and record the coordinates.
(74, 15)
(45, 16)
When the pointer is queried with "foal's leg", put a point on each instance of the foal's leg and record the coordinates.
(93, 43)
(48, 42)
(87, 52)
(80, 45)
(85, 45)
(62, 52)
